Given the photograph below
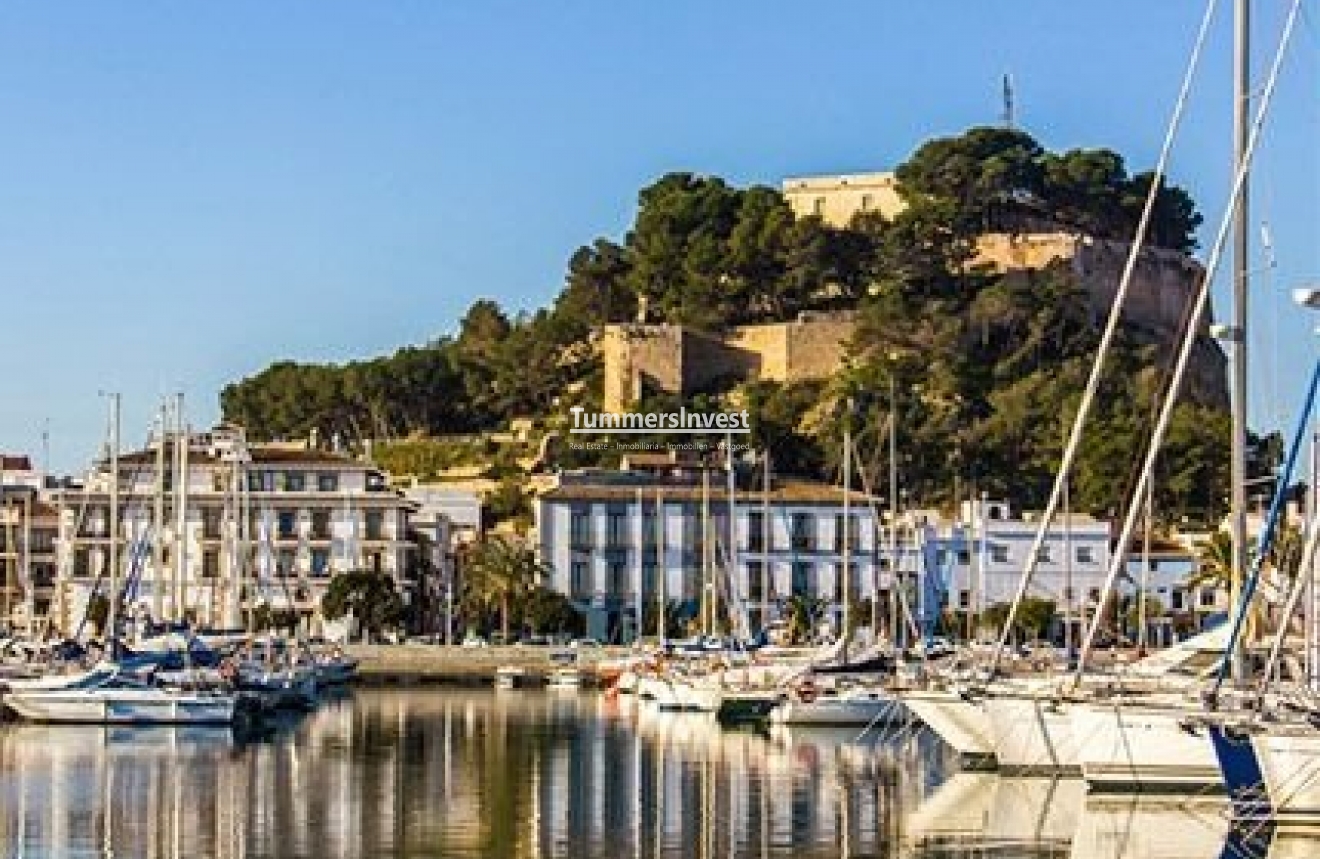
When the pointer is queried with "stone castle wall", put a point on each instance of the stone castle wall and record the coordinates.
(680, 361)
(677, 360)
(1162, 286)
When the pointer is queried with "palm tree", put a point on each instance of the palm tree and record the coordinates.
(804, 613)
(1214, 568)
(498, 571)
(1214, 563)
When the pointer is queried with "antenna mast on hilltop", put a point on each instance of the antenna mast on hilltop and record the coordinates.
(1007, 115)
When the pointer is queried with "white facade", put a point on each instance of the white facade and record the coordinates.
(262, 525)
(791, 541)
(982, 557)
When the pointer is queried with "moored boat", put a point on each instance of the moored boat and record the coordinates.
(120, 700)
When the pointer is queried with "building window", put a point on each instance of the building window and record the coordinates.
(580, 579)
(211, 517)
(320, 562)
(755, 531)
(376, 561)
(818, 207)
(616, 531)
(867, 202)
(691, 582)
(1085, 555)
(1094, 596)
(579, 527)
(755, 581)
(618, 578)
(375, 520)
(964, 557)
(804, 532)
(801, 579)
(210, 564)
(848, 577)
(327, 482)
(287, 524)
(650, 578)
(295, 481)
(693, 534)
(82, 563)
(1177, 600)
(853, 532)
(964, 599)
(1207, 597)
(321, 524)
(95, 522)
(999, 554)
(285, 561)
(43, 541)
(649, 520)
(1043, 556)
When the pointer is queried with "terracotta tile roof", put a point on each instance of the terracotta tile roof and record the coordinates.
(300, 456)
(15, 462)
(785, 492)
(260, 456)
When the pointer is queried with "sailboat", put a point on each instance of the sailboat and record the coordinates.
(107, 693)
(1142, 739)
(116, 698)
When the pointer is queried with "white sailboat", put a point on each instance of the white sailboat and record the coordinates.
(116, 699)
(860, 706)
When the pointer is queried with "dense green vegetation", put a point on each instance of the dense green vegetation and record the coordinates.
(986, 369)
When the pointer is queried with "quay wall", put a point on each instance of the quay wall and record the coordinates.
(427, 663)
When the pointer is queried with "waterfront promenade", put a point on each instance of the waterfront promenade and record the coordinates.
(431, 663)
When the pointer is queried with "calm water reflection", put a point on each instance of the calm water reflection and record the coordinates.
(541, 774)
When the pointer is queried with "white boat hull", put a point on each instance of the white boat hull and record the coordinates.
(960, 723)
(1290, 763)
(1143, 747)
(860, 709)
(1032, 735)
(122, 707)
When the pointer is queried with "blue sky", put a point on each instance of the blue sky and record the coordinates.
(189, 191)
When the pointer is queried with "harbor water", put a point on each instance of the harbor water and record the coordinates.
(431, 772)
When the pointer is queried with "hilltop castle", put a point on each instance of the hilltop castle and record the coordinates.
(644, 357)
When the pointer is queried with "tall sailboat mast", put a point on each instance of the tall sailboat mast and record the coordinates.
(158, 520)
(732, 578)
(640, 568)
(661, 559)
(181, 510)
(707, 589)
(845, 543)
(112, 613)
(1241, 251)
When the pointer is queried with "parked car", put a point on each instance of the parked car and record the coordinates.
(472, 640)
(579, 643)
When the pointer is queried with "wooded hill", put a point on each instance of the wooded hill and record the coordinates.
(988, 369)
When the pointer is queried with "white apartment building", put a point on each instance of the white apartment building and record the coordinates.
(249, 525)
(611, 539)
(982, 556)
